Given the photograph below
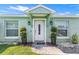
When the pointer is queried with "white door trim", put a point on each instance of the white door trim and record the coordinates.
(45, 27)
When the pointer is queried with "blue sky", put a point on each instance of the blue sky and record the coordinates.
(62, 9)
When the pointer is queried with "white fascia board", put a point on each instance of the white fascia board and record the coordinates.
(64, 16)
(12, 15)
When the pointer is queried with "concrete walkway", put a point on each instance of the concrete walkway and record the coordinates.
(47, 50)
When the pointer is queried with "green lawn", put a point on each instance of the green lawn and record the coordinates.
(16, 50)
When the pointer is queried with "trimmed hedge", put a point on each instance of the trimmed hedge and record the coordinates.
(53, 35)
(23, 34)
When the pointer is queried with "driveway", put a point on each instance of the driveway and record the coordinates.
(49, 50)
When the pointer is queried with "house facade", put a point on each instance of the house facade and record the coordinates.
(38, 22)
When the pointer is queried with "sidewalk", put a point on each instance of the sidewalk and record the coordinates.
(47, 50)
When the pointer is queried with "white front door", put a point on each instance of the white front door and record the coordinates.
(39, 30)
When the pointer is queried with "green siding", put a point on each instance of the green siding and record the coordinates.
(2, 30)
(73, 27)
(24, 23)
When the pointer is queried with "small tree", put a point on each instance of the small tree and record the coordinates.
(75, 38)
(23, 35)
(53, 35)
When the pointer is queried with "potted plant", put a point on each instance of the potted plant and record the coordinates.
(23, 34)
(75, 38)
(53, 35)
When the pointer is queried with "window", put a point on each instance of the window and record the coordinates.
(62, 27)
(62, 32)
(11, 28)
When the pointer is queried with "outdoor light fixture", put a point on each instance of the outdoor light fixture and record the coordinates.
(51, 23)
(29, 23)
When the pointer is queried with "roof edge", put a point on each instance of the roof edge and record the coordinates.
(49, 9)
(12, 15)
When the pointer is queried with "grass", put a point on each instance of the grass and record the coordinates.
(16, 50)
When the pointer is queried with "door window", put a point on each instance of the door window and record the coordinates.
(39, 29)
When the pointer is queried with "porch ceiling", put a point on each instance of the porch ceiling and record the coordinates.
(39, 15)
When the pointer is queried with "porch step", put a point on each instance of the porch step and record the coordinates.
(39, 42)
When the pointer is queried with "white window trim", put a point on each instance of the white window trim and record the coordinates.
(11, 37)
(63, 37)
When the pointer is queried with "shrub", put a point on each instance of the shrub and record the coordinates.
(53, 35)
(53, 29)
(75, 39)
(23, 35)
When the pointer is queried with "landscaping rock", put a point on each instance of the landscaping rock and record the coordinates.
(69, 48)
